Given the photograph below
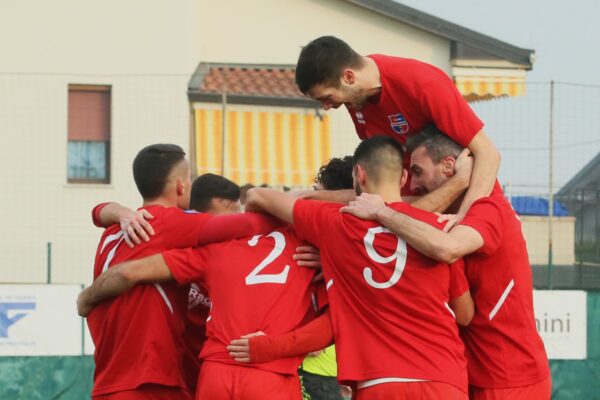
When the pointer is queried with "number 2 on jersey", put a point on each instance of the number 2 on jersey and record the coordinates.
(254, 278)
(399, 255)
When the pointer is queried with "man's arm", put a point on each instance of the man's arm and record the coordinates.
(443, 197)
(434, 243)
(121, 278)
(464, 308)
(134, 223)
(343, 196)
(440, 199)
(271, 201)
(428, 240)
(259, 348)
(485, 170)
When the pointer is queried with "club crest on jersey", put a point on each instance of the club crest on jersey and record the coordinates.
(398, 123)
(360, 118)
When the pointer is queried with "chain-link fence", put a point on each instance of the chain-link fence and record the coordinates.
(549, 140)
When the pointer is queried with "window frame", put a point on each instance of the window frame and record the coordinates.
(92, 88)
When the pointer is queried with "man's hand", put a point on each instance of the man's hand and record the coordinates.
(239, 349)
(451, 220)
(308, 256)
(83, 306)
(135, 225)
(365, 206)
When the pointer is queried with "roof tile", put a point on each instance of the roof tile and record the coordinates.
(267, 81)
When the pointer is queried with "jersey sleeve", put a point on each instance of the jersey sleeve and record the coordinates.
(191, 228)
(315, 335)
(449, 111)
(458, 280)
(311, 218)
(229, 227)
(184, 228)
(96, 215)
(187, 265)
(485, 216)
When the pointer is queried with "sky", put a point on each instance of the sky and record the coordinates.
(564, 34)
(566, 39)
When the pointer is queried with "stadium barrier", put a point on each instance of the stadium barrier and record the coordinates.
(46, 351)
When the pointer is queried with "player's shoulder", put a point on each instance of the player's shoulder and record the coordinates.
(318, 205)
(111, 231)
(177, 214)
(411, 68)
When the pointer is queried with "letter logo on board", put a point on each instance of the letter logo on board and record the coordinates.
(10, 313)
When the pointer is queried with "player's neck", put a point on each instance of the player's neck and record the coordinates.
(389, 193)
(163, 201)
(371, 78)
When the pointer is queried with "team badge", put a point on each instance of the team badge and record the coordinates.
(360, 118)
(399, 123)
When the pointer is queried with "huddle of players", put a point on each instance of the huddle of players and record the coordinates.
(390, 271)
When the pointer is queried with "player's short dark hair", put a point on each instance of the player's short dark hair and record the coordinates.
(152, 167)
(210, 186)
(336, 174)
(378, 153)
(438, 144)
(323, 60)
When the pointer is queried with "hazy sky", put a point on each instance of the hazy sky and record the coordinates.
(566, 39)
(564, 34)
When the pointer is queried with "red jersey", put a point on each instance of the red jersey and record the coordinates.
(139, 335)
(195, 330)
(388, 303)
(503, 347)
(415, 94)
(459, 284)
(254, 285)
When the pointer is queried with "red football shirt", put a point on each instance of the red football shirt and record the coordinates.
(459, 284)
(503, 347)
(388, 302)
(139, 335)
(254, 285)
(413, 95)
(195, 330)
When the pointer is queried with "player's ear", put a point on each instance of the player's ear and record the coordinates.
(348, 76)
(180, 187)
(404, 177)
(361, 175)
(448, 164)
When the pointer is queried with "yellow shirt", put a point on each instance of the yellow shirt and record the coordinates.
(324, 364)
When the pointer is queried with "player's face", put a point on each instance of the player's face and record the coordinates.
(333, 97)
(426, 176)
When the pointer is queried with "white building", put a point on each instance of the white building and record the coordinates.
(85, 84)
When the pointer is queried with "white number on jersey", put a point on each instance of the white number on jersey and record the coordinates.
(253, 277)
(399, 255)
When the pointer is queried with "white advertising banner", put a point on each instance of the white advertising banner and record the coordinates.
(39, 320)
(88, 343)
(561, 320)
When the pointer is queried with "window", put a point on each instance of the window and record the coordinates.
(88, 152)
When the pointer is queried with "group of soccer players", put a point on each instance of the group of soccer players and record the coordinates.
(397, 280)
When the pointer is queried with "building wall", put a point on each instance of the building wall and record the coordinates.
(277, 40)
(146, 50)
(535, 230)
(143, 50)
(273, 31)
